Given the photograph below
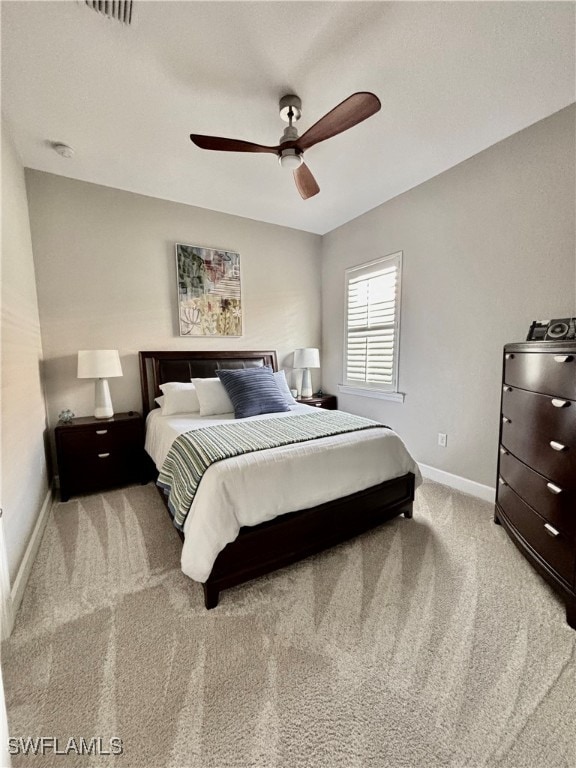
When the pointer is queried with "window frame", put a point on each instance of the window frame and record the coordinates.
(375, 389)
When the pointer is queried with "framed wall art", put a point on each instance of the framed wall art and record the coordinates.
(209, 296)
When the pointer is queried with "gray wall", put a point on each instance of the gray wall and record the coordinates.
(106, 276)
(488, 247)
(24, 485)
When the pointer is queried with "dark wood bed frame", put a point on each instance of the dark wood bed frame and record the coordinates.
(291, 537)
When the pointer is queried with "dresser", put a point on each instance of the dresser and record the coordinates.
(536, 492)
(95, 454)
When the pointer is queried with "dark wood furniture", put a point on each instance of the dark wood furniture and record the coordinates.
(94, 454)
(329, 402)
(536, 493)
(266, 547)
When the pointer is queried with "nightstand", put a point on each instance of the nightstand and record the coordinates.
(94, 454)
(329, 402)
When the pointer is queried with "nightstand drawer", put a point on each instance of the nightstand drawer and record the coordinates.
(90, 440)
(328, 402)
(101, 471)
(547, 372)
(551, 545)
(559, 508)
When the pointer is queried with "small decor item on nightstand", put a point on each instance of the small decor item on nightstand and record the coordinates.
(65, 417)
(100, 364)
(306, 358)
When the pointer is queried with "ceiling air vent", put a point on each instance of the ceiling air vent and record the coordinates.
(121, 10)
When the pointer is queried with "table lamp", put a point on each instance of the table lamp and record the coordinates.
(306, 358)
(100, 364)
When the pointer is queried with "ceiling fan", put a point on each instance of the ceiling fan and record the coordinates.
(290, 150)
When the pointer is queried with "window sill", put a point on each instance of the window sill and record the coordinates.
(397, 397)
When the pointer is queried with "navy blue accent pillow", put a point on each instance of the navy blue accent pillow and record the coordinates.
(253, 391)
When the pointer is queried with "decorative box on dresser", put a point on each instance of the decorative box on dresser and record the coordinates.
(536, 492)
(95, 454)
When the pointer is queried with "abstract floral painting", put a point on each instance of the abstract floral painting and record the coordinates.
(209, 298)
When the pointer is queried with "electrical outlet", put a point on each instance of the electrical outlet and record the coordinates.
(442, 439)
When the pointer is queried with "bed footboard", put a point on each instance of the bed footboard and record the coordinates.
(287, 539)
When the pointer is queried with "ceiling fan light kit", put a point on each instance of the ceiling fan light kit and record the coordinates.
(290, 150)
(289, 158)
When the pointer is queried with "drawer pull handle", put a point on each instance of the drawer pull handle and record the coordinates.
(510, 356)
(550, 530)
(503, 451)
(502, 481)
(553, 488)
(559, 403)
(103, 455)
(101, 431)
(557, 446)
(562, 358)
(506, 388)
(505, 420)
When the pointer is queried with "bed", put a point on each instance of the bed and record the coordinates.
(276, 525)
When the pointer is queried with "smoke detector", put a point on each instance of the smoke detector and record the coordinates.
(63, 149)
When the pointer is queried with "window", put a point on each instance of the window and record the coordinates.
(373, 325)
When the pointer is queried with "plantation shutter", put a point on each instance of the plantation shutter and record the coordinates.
(372, 324)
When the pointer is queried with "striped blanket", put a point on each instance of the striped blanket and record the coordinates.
(192, 453)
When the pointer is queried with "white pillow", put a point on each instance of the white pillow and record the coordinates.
(179, 397)
(213, 397)
(280, 378)
(159, 400)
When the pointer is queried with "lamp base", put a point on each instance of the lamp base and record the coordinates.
(306, 384)
(102, 400)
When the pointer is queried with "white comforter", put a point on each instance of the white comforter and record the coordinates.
(259, 486)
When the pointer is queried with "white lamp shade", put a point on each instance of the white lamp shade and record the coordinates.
(309, 357)
(98, 364)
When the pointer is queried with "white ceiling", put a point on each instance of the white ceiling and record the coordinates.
(453, 79)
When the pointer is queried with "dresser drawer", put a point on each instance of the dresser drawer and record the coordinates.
(558, 509)
(541, 434)
(557, 551)
(551, 373)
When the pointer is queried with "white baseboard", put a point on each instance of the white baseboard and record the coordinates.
(471, 487)
(23, 574)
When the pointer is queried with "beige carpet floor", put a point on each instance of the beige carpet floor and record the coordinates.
(428, 642)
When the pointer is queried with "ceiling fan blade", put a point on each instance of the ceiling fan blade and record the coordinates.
(306, 183)
(347, 114)
(229, 145)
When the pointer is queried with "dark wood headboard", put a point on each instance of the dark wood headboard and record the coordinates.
(159, 367)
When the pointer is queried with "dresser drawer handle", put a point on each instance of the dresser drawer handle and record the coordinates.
(506, 420)
(559, 403)
(103, 455)
(562, 358)
(557, 446)
(503, 451)
(507, 388)
(502, 481)
(510, 356)
(101, 431)
(318, 405)
(550, 530)
(553, 488)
